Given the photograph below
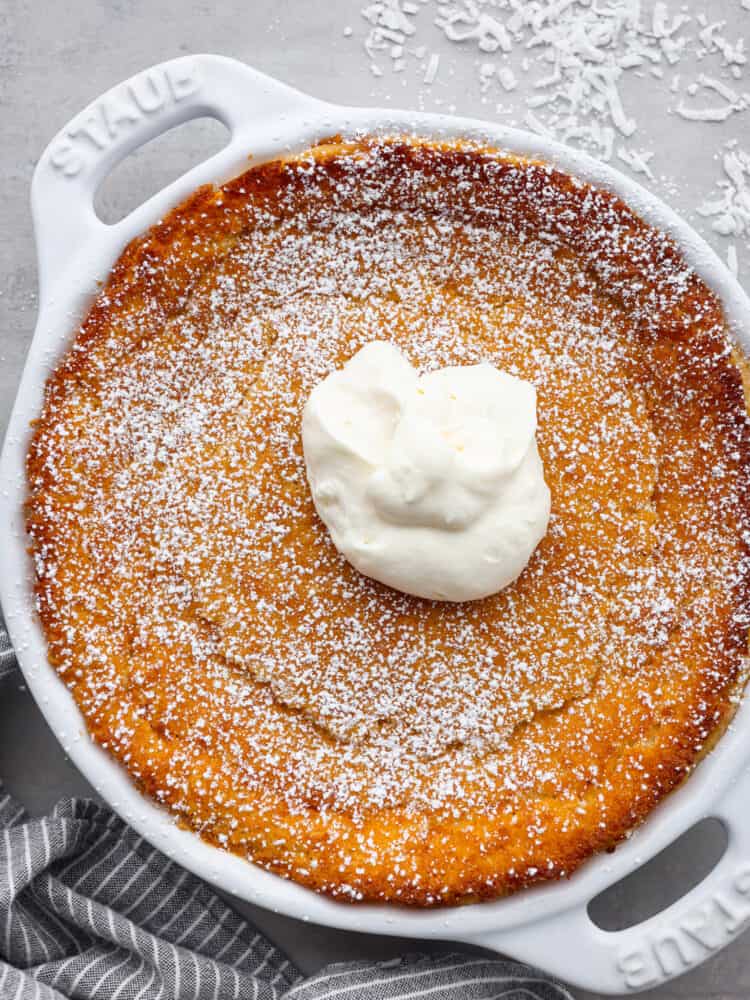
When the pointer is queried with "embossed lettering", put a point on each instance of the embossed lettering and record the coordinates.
(93, 130)
(66, 159)
(666, 951)
(702, 927)
(741, 881)
(638, 970)
(668, 944)
(148, 92)
(735, 919)
(182, 82)
(119, 112)
(116, 113)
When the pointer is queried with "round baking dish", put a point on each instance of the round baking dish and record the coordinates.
(547, 926)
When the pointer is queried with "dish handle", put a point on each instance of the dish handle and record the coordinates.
(679, 938)
(130, 114)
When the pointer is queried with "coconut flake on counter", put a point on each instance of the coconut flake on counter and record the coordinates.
(638, 162)
(432, 68)
(735, 102)
(712, 41)
(469, 23)
(730, 207)
(507, 78)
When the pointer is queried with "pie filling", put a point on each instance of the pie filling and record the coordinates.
(364, 742)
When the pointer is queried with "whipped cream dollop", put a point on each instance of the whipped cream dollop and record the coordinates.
(429, 483)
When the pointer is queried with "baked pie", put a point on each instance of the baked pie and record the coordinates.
(364, 743)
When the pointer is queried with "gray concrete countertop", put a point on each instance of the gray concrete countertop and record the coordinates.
(55, 58)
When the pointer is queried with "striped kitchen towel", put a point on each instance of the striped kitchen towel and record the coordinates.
(90, 910)
(7, 659)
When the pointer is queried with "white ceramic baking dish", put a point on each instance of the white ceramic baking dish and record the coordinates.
(548, 926)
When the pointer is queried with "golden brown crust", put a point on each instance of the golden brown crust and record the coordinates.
(165, 463)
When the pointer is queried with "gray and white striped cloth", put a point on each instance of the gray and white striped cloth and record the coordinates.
(89, 910)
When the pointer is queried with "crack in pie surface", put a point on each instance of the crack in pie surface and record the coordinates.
(366, 743)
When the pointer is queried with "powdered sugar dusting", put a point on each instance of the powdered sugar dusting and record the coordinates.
(300, 713)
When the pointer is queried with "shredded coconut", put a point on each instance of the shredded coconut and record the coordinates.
(729, 208)
(734, 101)
(638, 162)
(574, 55)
